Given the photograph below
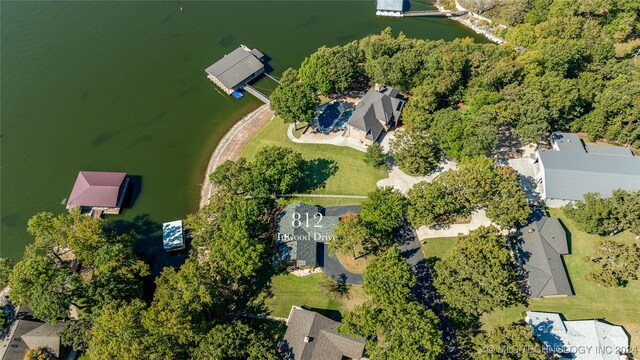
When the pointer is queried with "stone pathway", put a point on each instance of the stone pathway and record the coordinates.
(326, 139)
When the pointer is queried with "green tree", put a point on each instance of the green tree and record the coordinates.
(389, 278)
(74, 262)
(6, 264)
(433, 204)
(614, 263)
(118, 332)
(39, 354)
(512, 342)
(415, 152)
(48, 288)
(508, 207)
(401, 331)
(479, 276)
(596, 215)
(294, 102)
(332, 70)
(348, 235)
(277, 170)
(383, 211)
(235, 341)
(77, 334)
(375, 156)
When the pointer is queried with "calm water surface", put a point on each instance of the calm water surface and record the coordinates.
(120, 86)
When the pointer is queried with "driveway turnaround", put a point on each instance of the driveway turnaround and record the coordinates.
(333, 268)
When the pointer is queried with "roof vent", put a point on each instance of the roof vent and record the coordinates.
(530, 231)
(307, 339)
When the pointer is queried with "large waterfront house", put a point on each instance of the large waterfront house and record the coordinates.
(97, 192)
(311, 336)
(578, 339)
(236, 69)
(377, 112)
(571, 169)
(540, 248)
(303, 230)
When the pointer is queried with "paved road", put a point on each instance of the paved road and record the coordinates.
(331, 266)
(424, 291)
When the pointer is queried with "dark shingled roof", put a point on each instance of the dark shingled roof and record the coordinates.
(31, 333)
(324, 343)
(543, 242)
(95, 188)
(375, 109)
(305, 252)
(236, 67)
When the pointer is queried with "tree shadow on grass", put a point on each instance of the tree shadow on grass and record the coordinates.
(316, 174)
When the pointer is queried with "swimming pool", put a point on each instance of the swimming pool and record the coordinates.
(333, 115)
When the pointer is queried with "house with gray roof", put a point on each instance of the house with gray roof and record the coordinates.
(390, 7)
(377, 112)
(31, 333)
(579, 339)
(571, 169)
(540, 248)
(301, 229)
(236, 69)
(311, 336)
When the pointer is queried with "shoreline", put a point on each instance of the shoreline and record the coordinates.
(464, 20)
(231, 145)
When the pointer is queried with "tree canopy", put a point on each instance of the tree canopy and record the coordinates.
(511, 342)
(479, 274)
(614, 263)
(74, 261)
(607, 216)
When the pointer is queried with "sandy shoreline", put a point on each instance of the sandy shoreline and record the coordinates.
(232, 143)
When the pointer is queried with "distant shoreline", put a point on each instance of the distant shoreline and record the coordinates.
(231, 145)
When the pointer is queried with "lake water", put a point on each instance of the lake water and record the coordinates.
(120, 86)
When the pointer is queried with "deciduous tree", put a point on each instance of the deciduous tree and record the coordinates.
(512, 342)
(389, 278)
(479, 275)
(614, 263)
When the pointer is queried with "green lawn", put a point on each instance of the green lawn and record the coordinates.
(438, 247)
(325, 202)
(353, 176)
(289, 290)
(617, 305)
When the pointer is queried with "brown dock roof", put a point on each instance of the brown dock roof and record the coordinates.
(95, 188)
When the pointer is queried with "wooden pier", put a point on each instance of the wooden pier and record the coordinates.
(433, 13)
(253, 91)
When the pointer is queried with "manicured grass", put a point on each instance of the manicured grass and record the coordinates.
(324, 202)
(616, 305)
(289, 290)
(438, 247)
(353, 176)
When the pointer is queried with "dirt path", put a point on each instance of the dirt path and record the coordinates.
(231, 145)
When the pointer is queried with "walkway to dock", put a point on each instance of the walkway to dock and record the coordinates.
(253, 91)
(433, 13)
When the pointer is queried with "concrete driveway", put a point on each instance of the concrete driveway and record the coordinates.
(333, 268)
(403, 182)
(478, 218)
